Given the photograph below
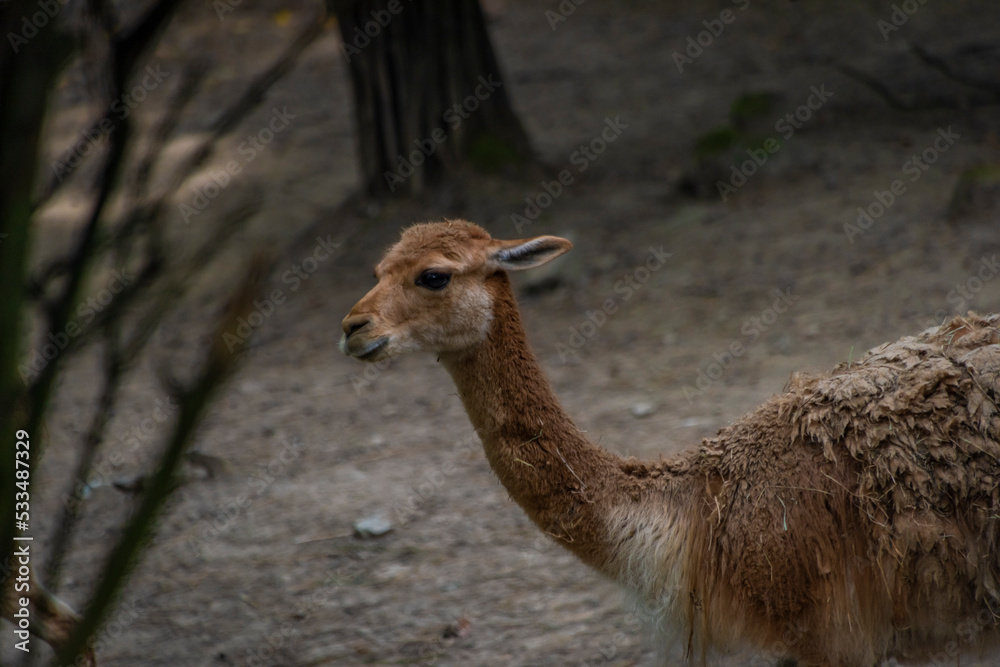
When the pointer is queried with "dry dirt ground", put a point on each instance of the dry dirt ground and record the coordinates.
(259, 566)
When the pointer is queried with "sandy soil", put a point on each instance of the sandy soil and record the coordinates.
(259, 566)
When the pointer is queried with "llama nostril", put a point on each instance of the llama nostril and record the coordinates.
(349, 329)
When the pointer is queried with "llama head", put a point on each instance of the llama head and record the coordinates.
(432, 293)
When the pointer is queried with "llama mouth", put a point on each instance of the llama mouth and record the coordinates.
(372, 349)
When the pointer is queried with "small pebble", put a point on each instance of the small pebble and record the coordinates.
(372, 526)
(640, 410)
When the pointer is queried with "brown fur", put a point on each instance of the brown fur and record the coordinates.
(51, 619)
(564, 483)
(852, 518)
(872, 493)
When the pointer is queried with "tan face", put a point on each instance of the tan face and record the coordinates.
(438, 306)
(432, 295)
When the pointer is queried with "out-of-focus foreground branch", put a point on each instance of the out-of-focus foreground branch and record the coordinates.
(39, 301)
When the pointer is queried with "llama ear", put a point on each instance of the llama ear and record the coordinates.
(527, 253)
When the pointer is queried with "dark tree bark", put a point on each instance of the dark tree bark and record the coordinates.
(428, 92)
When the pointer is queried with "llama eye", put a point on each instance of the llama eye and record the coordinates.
(433, 280)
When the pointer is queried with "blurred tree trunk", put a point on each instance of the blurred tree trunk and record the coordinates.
(428, 92)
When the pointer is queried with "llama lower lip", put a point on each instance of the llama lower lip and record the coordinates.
(372, 349)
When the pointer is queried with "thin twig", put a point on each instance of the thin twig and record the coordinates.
(942, 65)
(113, 368)
(122, 56)
(126, 52)
(875, 85)
(193, 401)
(568, 467)
(335, 536)
(531, 439)
(802, 488)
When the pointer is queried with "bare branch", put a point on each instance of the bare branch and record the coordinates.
(220, 363)
(113, 375)
(940, 64)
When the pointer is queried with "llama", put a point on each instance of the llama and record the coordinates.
(850, 519)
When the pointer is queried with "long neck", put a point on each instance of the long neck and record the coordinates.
(562, 481)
